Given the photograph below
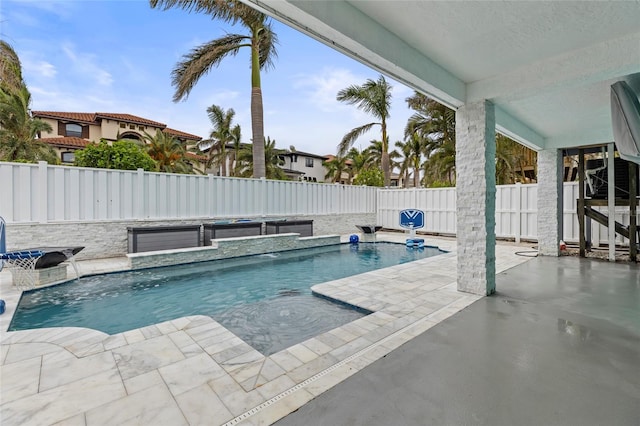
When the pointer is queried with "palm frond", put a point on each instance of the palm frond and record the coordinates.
(201, 60)
(350, 138)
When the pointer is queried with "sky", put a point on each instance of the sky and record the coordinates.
(117, 56)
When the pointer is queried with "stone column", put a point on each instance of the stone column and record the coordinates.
(476, 197)
(550, 169)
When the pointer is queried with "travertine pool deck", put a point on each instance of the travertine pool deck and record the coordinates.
(194, 371)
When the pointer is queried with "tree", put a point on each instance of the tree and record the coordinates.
(223, 133)
(10, 69)
(435, 124)
(335, 167)
(237, 145)
(261, 40)
(375, 152)
(369, 177)
(122, 155)
(373, 97)
(167, 152)
(18, 129)
(273, 161)
(360, 160)
(411, 150)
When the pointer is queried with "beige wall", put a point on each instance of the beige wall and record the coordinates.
(54, 128)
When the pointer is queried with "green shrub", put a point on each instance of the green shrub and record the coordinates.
(369, 177)
(122, 155)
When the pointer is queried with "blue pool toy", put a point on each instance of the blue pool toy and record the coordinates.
(354, 239)
(415, 242)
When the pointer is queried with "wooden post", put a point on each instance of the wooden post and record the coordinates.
(581, 201)
(633, 191)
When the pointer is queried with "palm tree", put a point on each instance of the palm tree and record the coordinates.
(273, 161)
(375, 153)
(405, 162)
(335, 167)
(167, 152)
(19, 130)
(223, 132)
(10, 69)
(261, 40)
(435, 125)
(360, 160)
(237, 144)
(373, 97)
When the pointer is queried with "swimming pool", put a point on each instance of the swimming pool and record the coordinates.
(265, 299)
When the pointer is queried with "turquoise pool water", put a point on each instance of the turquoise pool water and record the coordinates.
(266, 299)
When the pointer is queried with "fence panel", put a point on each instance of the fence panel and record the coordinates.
(44, 193)
(516, 211)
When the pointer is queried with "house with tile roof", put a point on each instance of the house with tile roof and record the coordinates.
(75, 130)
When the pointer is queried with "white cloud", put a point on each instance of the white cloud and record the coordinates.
(61, 9)
(23, 19)
(220, 97)
(46, 69)
(38, 68)
(86, 65)
(321, 89)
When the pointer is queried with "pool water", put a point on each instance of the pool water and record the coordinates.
(265, 299)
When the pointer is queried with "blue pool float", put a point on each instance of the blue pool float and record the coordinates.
(415, 242)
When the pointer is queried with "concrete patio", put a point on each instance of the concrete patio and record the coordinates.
(559, 344)
(194, 371)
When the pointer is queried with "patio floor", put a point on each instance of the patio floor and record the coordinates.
(558, 345)
(194, 371)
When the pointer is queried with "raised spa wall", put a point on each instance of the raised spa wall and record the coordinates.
(228, 248)
(109, 238)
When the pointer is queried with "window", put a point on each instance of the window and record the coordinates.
(294, 158)
(73, 130)
(132, 126)
(123, 126)
(68, 157)
(141, 128)
(308, 162)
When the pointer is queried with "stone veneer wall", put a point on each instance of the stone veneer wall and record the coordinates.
(109, 238)
(549, 202)
(476, 197)
(228, 248)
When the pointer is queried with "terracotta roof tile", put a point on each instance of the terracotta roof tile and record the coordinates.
(69, 142)
(93, 117)
(196, 156)
(181, 134)
(84, 117)
(130, 119)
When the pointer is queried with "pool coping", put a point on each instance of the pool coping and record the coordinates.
(191, 369)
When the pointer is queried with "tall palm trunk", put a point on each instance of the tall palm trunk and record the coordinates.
(257, 127)
(386, 169)
(223, 156)
(257, 120)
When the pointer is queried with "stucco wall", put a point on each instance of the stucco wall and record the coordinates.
(109, 238)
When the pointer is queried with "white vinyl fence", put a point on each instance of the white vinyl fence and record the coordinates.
(40, 193)
(516, 211)
(44, 193)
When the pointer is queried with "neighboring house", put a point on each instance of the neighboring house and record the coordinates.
(304, 166)
(75, 130)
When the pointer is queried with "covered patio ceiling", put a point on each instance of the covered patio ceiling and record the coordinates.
(547, 66)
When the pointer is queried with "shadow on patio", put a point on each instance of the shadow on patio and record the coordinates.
(558, 344)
